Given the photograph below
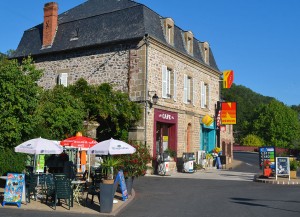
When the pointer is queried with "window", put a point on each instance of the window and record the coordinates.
(205, 97)
(188, 37)
(63, 79)
(189, 94)
(169, 83)
(206, 52)
(169, 30)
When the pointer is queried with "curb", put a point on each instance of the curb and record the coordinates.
(128, 201)
(279, 181)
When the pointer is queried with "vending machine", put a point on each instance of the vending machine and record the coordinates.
(163, 164)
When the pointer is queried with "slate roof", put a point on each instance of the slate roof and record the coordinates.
(97, 22)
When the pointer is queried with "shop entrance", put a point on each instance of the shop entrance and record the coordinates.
(208, 138)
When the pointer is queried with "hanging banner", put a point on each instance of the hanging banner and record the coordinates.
(15, 185)
(40, 162)
(228, 76)
(228, 113)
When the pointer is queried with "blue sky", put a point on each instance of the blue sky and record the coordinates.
(258, 39)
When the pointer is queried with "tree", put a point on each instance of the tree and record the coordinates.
(247, 102)
(60, 114)
(111, 109)
(19, 96)
(277, 124)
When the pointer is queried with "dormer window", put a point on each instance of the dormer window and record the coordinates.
(169, 30)
(188, 37)
(206, 52)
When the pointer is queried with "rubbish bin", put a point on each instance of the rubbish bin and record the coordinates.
(188, 162)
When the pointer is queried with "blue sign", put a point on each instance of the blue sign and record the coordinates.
(15, 183)
(121, 180)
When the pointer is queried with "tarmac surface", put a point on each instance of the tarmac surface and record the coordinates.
(94, 208)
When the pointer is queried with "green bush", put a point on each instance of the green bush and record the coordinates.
(252, 140)
(10, 161)
(294, 164)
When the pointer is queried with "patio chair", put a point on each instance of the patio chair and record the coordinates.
(63, 191)
(93, 190)
(50, 187)
(31, 183)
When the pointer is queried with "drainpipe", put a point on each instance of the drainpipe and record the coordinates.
(146, 40)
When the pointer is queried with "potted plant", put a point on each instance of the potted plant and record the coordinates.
(294, 164)
(135, 165)
(109, 165)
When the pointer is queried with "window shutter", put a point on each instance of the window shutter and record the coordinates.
(202, 95)
(164, 81)
(194, 92)
(185, 90)
(168, 83)
(63, 79)
(208, 97)
(175, 86)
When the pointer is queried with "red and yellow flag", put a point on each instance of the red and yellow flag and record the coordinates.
(228, 76)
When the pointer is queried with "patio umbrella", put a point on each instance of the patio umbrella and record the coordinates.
(80, 142)
(39, 146)
(111, 147)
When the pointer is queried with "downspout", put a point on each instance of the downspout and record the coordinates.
(146, 37)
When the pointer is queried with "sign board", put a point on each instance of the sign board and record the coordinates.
(228, 113)
(15, 184)
(228, 78)
(40, 163)
(267, 153)
(282, 166)
(120, 179)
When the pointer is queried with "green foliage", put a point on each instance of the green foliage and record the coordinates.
(277, 124)
(10, 161)
(19, 95)
(136, 164)
(110, 166)
(294, 164)
(60, 114)
(247, 102)
(252, 140)
(111, 109)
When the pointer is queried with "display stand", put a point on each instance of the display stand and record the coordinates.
(14, 189)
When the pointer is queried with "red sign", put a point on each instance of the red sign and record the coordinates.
(228, 113)
(227, 78)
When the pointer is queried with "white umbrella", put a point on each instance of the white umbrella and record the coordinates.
(39, 146)
(111, 147)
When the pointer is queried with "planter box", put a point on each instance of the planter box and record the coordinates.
(293, 174)
(267, 172)
(107, 192)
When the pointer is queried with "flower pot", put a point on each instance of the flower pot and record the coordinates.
(293, 174)
(267, 172)
(108, 181)
(129, 183)
(106, 197)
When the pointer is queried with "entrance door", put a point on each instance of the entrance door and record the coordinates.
(189, 138)
(205, 140)
(162, 137)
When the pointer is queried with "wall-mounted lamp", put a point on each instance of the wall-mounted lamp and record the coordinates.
(154, 98)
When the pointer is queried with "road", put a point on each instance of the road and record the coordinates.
(188, 197)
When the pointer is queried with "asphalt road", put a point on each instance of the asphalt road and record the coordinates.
(178, 197)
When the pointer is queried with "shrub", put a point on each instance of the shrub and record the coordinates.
(10, 161)
(252, 140)
(294, 164)
(136, 164)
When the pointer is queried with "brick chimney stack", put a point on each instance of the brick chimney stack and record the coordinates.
(50, 23)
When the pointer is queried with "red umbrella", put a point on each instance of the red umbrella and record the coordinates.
(79, 141)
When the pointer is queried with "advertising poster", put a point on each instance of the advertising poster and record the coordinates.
(228, 113)
(120, 179)
(13, 189)
(40, 163)
(267, 153)
(282, 166)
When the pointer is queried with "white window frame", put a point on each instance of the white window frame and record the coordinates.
(63, 79)
(175, 86)
(205, 95)
(187, 89)
(166, 82)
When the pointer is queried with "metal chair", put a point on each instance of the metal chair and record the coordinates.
(31, 183)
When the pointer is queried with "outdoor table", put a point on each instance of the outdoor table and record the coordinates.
(77, 189)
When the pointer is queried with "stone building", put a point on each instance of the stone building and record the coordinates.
(140, 52)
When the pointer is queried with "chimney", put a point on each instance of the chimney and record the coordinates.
(50, 23)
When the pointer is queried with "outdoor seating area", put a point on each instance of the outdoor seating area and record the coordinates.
(57, 192)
